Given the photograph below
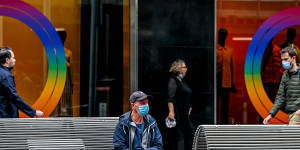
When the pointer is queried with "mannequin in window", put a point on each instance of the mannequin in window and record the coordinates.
(64, 106)
(290, 37)
(225, 75)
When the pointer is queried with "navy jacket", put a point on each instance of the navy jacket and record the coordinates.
(10, 102)
(125, 131)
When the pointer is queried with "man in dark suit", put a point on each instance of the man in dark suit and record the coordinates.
(10, 102)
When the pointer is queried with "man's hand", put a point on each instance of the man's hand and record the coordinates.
(267, 119)
(171, 115)
(39, 113)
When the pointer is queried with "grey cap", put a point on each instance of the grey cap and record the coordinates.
(137, 96)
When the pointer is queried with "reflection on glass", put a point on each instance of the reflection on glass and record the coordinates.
(243, 18)
(290, 41)
(225, 75)
(64, 106)
(270, 70)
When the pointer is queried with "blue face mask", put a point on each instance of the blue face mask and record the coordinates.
(180, 76)
(143, 110)
(286, 65)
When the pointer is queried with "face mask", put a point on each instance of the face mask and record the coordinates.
(180, 76)
(286, 65)
(143, 110)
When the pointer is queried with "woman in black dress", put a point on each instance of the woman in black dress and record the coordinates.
(179, 94)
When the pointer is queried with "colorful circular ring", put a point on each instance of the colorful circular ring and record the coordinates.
(272, 26)
(30, 16)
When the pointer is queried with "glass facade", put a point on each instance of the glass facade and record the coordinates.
(177, 31)
(94, 50)
(31, 69)
(231, 49)
(244, 19)
(114, 47)
(170, 30)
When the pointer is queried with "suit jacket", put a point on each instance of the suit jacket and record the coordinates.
(10, 102)
(225, 66)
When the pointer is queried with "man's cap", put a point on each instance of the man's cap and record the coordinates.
(137, 96)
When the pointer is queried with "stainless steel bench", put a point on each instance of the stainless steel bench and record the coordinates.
(90, 133)
(61, 144)
(229, 137)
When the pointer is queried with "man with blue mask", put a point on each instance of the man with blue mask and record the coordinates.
(288, 96)
(137, 130)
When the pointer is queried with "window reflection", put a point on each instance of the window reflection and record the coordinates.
(242, 19)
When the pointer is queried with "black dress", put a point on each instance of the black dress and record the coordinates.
(180, 93)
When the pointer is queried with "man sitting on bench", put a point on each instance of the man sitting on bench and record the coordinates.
(137, 130)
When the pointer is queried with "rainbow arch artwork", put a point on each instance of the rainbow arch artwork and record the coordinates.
(56, 76)
(252, 73)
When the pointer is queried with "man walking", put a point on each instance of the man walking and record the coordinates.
(288, 96)
(10, 102)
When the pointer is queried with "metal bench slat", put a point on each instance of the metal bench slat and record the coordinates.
(94, 132)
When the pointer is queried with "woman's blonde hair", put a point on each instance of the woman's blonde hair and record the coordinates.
(176, 66)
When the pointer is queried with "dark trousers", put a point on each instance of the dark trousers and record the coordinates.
(181, 136)
(223, 98)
